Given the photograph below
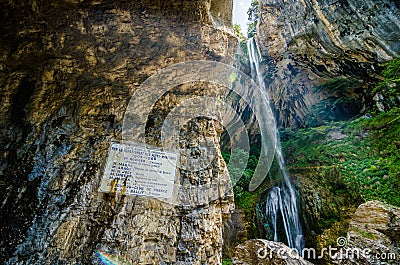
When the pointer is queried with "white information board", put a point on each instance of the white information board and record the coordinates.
(137, 170)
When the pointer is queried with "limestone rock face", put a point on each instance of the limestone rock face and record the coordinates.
(375, 227)
(333, 35)
(235, 232)
(67, 72)
(260, 251)
(307, 42)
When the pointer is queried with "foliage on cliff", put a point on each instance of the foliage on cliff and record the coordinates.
(238, 32)
(346, 97)
(340, 103)
(361, 152)
(244, 199)
(364, 151)
(389, 87)
(253, 14)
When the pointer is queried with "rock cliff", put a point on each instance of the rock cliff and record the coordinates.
(67, 72)
(308, 42)
(373, 235)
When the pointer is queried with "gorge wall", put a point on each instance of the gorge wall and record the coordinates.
(306, 43)
(67, 72)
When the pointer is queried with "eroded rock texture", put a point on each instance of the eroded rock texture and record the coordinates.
(67, 72)
(260, 251)
(375, 232)
(308, 42)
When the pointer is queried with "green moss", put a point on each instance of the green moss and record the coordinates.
(390, 85)
(341, 101)
(364, 233)
(244, 199)
(326, 223)
(226, 262)
(337, 85)
(367, 159)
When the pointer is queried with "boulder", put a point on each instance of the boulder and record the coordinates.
(375, 232)
(260, 251)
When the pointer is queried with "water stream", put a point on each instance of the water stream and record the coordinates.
(281, 207)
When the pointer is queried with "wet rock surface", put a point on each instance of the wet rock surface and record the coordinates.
(327, 211)
(334, 35)
(68, 70)
(235, 232)
(306, 43)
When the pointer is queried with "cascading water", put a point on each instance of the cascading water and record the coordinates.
(281, 208)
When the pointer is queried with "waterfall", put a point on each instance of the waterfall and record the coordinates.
(281, 207)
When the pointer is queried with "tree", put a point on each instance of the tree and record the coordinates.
(253, 14)
(238, 32)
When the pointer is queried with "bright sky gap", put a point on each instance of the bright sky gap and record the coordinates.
(240, 16)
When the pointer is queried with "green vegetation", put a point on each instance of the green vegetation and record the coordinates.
(253, 17)
(389, 87)
(226, 262)
(364, 233)
(236, 161)
(244, 199)
(347, 97)
(341, 102)
(238, 32)
(365, 151)
(252, 26)
(243, 45)
(348, 158)
(366, 157)
(336, 85)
